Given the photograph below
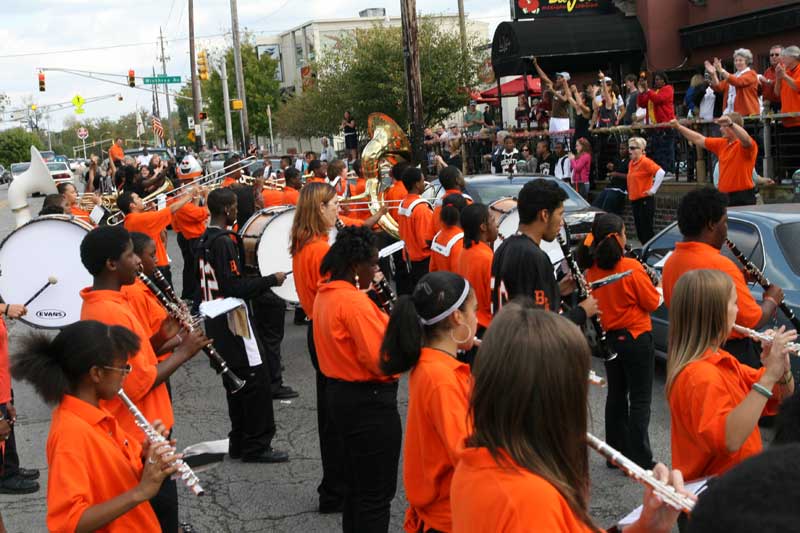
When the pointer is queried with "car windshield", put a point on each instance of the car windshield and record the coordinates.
(19, 167)
(487, 191)
(788, 236)
(57, 166)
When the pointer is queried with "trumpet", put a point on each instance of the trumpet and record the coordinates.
(87, 201)
(793, 347)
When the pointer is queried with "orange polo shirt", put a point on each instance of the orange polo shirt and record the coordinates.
(112, 308)
(305, 267)
(152, 223)
(190, 220)
(475, 265)
(417, 229)
(272, 197)
(436, 426)
(90, 460)
(790, 98)
(395, 193)
(348, 332)
(361, 211)
(77, 212)
(626, 303)
(746, 101)
(700, 400)
(736, 163)
(359, 186)
(147, 308)
(116, 153)
(697, 255)
(439, 261)
(640, 177)
(437, 209)
(487, 496)
(290, 196)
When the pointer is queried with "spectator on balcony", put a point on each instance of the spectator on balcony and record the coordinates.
(629, 110)
(559, 110)
(488, 116)
(473, 119)
(522, 112)
(606, 103)
(580, 164)
(701, 99)
(660, 109)
(787, 84)
(644, 179)
(740, 88)
(772, 100)
(581, 103)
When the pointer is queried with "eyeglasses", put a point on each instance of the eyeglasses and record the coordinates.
(633, 148)
(525, 150)
(125, 370)
(775, 55)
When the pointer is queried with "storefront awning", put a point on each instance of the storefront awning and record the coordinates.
(516, 87)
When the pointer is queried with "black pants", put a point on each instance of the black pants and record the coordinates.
(612, 201)
(332, 487)
(630, 388)
(418, 269)
(662, 146)
(402, 276)
(167, 273)
(746, 351)
(165, 505)
(269, 318)
(10, 463)
(644, 210)
(747, 197)
(368, 424)
(250, 411)
(191, 281)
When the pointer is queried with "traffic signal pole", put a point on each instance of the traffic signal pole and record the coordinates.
(195, 81)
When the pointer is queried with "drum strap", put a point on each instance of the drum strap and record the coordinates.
(206, 245)
(447, 248)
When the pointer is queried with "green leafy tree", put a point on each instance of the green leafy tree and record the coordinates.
(15, 146)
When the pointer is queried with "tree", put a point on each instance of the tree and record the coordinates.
(364, 74)
(15, 146)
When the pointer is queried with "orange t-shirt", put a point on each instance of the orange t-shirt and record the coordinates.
(305, 267)
(112, 308)
(416, 228)
(91, 459)
(190, 220)
(697, 255)
(736, 163)
(350, 221)
(626, 303)
(436, 426)
(475, 265)
(229, 181)
(77, 212)
(446, 249)
(272, 197)
(437, 208)
(394, 194)
(314, 179)
(290, 196)
(746, 101)
(790, 98)
(147, 308)
(152, 223)
(116, 153)
(700, 400)
(506, 498)
(641, 175)
(348, 332)
(360, 211)
(359, 186)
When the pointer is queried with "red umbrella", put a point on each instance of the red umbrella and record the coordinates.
(478, 98)
(516, 87)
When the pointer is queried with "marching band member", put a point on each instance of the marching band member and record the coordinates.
(293, 184)
(99, 476)
(396, 192)
(703, 222)
(361, 211)
(714, 400)
(362, 400)
(626, 306)
(521, 268)
(424, 333)
(233, 172)
(452, 181)
(53, 204)
(337, 176)
(316, 171)
(107, 253)
(526, 465)
(415, 221)
(272, 197)
(72, 200)
(189, 223)
(396, 264)
(447, 243)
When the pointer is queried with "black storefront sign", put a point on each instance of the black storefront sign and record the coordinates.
(528, 9)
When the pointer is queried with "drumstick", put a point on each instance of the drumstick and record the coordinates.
(52, 280)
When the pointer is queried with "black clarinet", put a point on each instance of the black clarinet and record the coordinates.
(217, 362)
(652, 273)
(762, 280)
(167, 289)
(385, 294)
(604, 351)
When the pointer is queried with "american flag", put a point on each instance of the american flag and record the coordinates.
(158, 129)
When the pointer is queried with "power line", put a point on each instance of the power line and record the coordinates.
(93, 76)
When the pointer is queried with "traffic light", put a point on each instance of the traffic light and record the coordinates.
(131, 78)
(41, 82)
(202, 115)
(202, 64)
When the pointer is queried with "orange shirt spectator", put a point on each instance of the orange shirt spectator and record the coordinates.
(272, 197)
(394, 195)
(91, 459)
(790, 98)
(190, 220)
(475, 265)
(701, 398)
(436, 426)
(746, 100)
(290, 196)
(305, 267)
(446, 249)
(641, 176)
(348, 331)
(736, 163)
(487, 496)
(112, 308)
(152, 223)
(116, 153)
(416, 227)
(768, 88)
(697, 255)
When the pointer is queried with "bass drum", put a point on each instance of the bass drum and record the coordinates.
(266, 240)
(47, 246)
(507, 226)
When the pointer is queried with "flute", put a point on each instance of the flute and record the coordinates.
(793, 347)
(762, 280)
(236, 383)
(184, 472)
(652, 273)
(668, 494)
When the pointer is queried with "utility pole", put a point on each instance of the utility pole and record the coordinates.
(464, 57)
(408, 13)
(226, 101)
(195, 80)
(237, 63)
(166, 88)
(156, 111)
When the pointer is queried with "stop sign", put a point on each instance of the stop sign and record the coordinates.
(83, 133)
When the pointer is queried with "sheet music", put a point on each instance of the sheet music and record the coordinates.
(215, 308)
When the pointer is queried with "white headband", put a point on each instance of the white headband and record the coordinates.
(447, 312)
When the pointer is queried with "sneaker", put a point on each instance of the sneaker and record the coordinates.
(284, 392)
(268, 456)
(28, 473)
(18, 485)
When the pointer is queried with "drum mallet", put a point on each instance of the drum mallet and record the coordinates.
(52, 280)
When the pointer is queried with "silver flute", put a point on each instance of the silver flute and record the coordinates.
(668, 494)
(184, 472)
(794, 347)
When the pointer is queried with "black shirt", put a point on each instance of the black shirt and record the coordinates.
(617, 182)
(547, 165)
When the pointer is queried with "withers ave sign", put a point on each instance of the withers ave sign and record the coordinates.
(526, 9)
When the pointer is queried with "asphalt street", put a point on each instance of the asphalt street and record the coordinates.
(277, 498)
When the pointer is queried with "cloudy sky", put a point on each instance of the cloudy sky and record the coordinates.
(115, 36)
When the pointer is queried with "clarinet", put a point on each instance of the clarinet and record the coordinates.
(677, 501)
(184, 472)
(652, 273)
(584, 291)
(385, 294)
(762, 280)
(159, 278)
(235, 383)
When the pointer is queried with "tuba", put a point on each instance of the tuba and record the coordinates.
(36, 179)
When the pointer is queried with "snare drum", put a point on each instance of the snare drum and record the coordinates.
(507, 226)
(46, 246)
(266, 238)
(500, 208)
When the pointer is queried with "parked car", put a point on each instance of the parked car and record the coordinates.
(48, 155)
(5, 175)
(60, 172)
(18, 168)
(217, 160)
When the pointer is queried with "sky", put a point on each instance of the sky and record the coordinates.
(115, 36)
